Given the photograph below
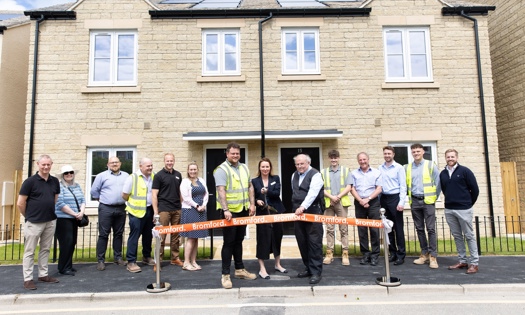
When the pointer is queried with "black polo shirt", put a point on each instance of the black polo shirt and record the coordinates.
(40, 198)
(168, 185)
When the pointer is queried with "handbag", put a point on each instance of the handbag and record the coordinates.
(85, 219)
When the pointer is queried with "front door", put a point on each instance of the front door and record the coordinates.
(287, 169)
(214, 157)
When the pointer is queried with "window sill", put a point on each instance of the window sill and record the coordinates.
(302, 77)
(110, 89)
(237, 78)
(410, 85)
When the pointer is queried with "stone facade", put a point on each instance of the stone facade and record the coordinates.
(173, 98)
(507, 40)
(14, 51)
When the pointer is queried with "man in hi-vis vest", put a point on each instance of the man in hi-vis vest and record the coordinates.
(236, 198)
(337, 184)
(423, 190)
(137, 193)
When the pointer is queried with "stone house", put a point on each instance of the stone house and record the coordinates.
(507, 49)
(14, 63)
(137, 78)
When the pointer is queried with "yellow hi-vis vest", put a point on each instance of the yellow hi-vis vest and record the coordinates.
(137, 202)
(237, 188)
(345, 200)
(429, 186)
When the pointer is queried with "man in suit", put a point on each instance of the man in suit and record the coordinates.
(307, 197)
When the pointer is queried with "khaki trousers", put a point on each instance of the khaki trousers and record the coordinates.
(33, 233)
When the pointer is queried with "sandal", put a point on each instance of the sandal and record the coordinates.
(188, 267)
(196, 266)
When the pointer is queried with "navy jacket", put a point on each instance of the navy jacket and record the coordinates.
(273, 194)
(461, 189)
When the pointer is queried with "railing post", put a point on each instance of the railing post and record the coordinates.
(478, 242)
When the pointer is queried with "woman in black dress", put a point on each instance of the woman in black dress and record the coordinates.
(267, 189)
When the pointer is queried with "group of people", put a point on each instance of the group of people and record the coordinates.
(388, 187)
(166, 196)
(55, 205)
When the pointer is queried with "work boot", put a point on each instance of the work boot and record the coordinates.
(329, 257)
(346, 261)
(133, 267)
(423, 259)
(226, 282)
(244, 274)
(433, 262)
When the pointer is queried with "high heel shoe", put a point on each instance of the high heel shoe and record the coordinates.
(267, 277)
(281, 270)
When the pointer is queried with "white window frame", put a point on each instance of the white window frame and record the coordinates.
(112, 151)
(431, 144)
(221, 52)
(113, 67)
(300, 32)
(407, 55)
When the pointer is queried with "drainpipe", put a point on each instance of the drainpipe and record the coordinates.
(261, 84)
(33, 98)
(483, 122)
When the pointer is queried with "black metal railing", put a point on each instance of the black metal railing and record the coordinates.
(508, 240)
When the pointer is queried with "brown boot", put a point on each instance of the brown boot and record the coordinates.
(329, 257)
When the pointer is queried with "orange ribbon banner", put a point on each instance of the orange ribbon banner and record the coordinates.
(264, 219)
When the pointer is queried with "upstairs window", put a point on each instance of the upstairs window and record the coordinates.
(300, 51)
(221, 52)
(113, 58)
(407, 54)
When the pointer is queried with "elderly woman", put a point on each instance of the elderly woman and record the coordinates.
(69, 209)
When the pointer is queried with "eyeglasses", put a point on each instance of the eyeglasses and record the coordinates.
(69, 173)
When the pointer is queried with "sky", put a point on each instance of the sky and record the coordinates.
(21, 5)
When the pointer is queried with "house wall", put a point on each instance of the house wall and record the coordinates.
(507, 48)
(14, 52)
(350, 96)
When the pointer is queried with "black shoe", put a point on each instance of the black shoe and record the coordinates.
(365, 260)
(67, 273)
(73, 269)
(315, 279)
(373, 262)
(392, 258)
(304, 274)
(399, 262)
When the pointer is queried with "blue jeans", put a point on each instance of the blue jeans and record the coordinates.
(140, 227)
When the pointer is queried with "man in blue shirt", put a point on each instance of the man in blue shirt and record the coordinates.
(365, 189)
(107, 190)
(393, 201)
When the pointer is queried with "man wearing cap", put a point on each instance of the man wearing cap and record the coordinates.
(36, 202)
(337, 185)
(137, 193)
(107, 190)
(423, 189)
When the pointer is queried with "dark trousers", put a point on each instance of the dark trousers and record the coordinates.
(309, 238)
(397, 236)
(425, 216)
(372, 212)
(110, 217)
(140, 227)
(66, 234)
(232, 244)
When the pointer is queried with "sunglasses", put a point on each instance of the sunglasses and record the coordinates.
(69, 173)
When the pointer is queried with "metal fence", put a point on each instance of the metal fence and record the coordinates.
(495, 235)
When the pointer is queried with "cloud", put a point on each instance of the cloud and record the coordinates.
(11, 5)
